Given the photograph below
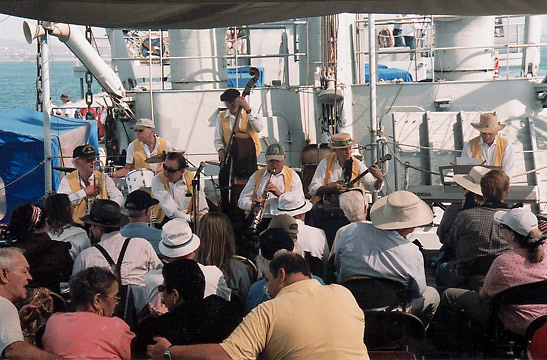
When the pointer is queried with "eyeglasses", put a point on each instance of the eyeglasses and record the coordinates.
(90, 159)
(162, 288)
(139, 130)
(169, 170)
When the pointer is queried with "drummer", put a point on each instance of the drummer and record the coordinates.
(146, 145)
(173, 189)
(85, 184)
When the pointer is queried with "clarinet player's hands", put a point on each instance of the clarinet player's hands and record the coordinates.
(257, 202)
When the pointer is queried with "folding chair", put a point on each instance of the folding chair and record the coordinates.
(393, 330)
(376, 293)
(527, 294)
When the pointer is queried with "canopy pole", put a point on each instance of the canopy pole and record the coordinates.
(46, 108)
(372, 85)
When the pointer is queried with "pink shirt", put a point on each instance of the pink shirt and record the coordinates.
(509, 270)
(86, 335)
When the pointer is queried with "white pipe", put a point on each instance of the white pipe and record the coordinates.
(46, 107)
(531, 55)
(372, 84)
(83, 50)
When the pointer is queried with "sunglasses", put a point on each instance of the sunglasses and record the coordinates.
(162, 288)
(90, 160)
(169, 170)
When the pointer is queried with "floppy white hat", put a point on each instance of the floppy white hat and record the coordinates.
(400, 210)
(521, 221)
(177, 239)
(472, 181)
(292, 204)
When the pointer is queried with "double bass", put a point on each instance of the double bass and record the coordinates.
(239, 161)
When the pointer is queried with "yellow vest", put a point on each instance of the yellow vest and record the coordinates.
(139, 156)
(259, 175)
(331, 160)
(245, 126)
(81, 207)
(501, 144)
(188, 177)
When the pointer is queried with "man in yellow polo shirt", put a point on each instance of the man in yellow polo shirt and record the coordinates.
(492, 148)
(146, 145)
(304, 320)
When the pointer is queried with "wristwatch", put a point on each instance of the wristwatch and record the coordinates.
(248, 111)
(167, 353)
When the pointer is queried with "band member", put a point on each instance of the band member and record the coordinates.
(492, 148)
(173, 189)
(146, 144)
(244, 148)
(267, 184)
(329, 176)
(85, 184)
(329, 179)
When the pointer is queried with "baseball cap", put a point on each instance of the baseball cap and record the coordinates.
(275, 152)
(520, 220)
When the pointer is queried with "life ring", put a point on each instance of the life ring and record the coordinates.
(384, 38)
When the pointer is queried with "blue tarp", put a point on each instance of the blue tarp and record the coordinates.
(22, 149)
(385, 73)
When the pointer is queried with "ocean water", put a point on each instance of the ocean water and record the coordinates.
(18, 83)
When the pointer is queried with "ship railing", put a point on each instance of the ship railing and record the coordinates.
(511, 30)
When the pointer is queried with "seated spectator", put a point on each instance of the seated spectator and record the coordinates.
(139, 205)
(310, 239)
(289, 226)
(91, 332)
(522, 265)
(380, 249)
(217, 247)
(304, 320)
(272, 241)
(192, 319)
(178, 242)
(58, 209)
(14, 276)
(50, 261)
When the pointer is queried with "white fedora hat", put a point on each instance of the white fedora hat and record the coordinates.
(400, 210)
(177, 239)
(292, 204)
(472, 181)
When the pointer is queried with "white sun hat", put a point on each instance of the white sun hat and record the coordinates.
(400, 210)
(472, 181)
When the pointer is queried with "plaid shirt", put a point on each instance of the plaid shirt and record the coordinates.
(476, 233)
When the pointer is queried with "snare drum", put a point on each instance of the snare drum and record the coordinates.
(139, 179)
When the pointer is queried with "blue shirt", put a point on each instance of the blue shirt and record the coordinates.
(258, 293)
(366, 250)
(142, 230)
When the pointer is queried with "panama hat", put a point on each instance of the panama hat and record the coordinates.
(177, 239)
(292, 204)
(341, 141)
(105, 213)
(143, 123)
(488, 123)
(472, 181)
(400, 210)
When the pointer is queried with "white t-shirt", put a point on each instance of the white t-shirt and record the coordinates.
(10, 325)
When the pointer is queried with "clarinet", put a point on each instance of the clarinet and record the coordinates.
(259, 210)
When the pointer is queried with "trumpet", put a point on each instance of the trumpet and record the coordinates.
(259, 210)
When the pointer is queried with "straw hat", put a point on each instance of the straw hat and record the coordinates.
(143, 123)
(472, 181)
(400, 210)
(177, 239)
(292, 204)
(341, 141)
(488, 123)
